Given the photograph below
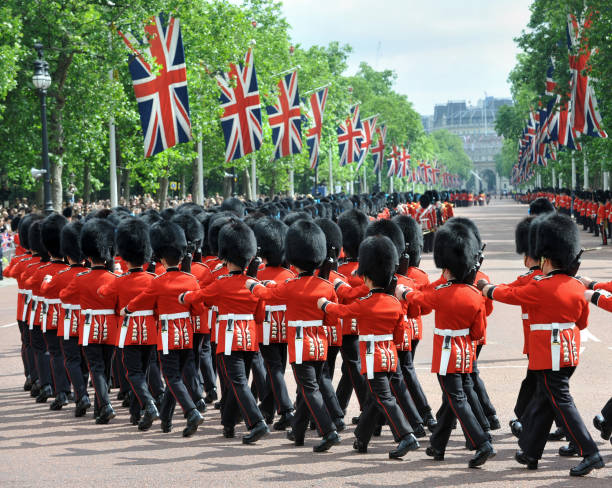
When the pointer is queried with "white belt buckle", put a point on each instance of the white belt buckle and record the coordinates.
(123, 332)
(164, 336)
(86, 328)
(229, 334)
(555, 346)
(369, 357)
(299, 344)
(445, 356)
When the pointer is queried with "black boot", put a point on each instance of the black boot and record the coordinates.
(285, 420)
(340, 425)
(201, 405)
(408, 443)
(45, 393)
(194, 419)
(484, 452)
(228, 432)
(436, 454)
(329, 440)
(588, 464)
(61, 400)
(259, 430)
(556, 435)
(135, 418)
(516, 427)
(27, 386)
(298, 441)
(35, 390)
(419, 431)
(601, 425)
(355, 420)
(522, 458)
(430, 421)
(82, 406)
(151, 414)
(568, 451)
(493, 422)
(106, 414)
(360, 446)
(127, 399)
(211, 396)
(166, 426)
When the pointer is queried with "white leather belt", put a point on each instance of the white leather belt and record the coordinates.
(174, 316)
(376, 338)
(305, 323)
(370, 340)
(141, 313)
(104, 311)
(560, 326)
(244, 316)
(229, 320)
(555, 340)
(53, 301)
(23, 291)
(452, 332)
(447, 345)
(525, 316)
(276, 308)
(299, 335)
(69, 306)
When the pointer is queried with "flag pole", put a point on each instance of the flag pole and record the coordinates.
(286, 71)
(331, 170)
(316, 89)
(112, 144)
(291, 182)
(253, 176)
(200, 173)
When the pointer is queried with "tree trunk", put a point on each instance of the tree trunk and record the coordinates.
(87, 184)
(163, 192)
(125, 184)
(247, 190)
(183, 189)
(227, 187)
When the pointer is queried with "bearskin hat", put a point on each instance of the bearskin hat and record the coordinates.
(215, 223)
(51, 233)
(35, 239)
(557, 239)
(67, 212)
(24, 228)
(98, 240)
(540, 205)
(70, 241)
(15, 223)
(521, 236)
(378, 259)
(133, 242)
(353, 224)
(168, 213)
(292, 217)
(233, 205)
(333, 235)
(389, 229)
(413, 237)
(424, 201)
(467, 223)
(168, 241)
(237, 244)
(270, 234)
(305, 245)
(456, 249)
(194, 232)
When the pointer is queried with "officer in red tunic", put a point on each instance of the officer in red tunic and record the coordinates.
(305, 249)
(137, 337)
(174, 322)
(459, 320)
(557, 313)
(237, 343)
(381, 316)
(98, 319)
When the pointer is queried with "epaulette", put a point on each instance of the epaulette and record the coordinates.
(542, 277)
(528, 273)
(224, 276)
(83, 273)
(62, 271)
(366, 296)
(443, 285)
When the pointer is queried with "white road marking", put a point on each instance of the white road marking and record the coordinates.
(8, 325)
(586, 335)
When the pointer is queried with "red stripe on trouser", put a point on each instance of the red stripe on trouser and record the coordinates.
(455, 412)
(66, 367)
(307, 403)
(92, 381)
(562, 416)
(229, 380)
(50, 363)
(397, 399)
(127, 377)
(348, 368)
(161, 368)
(278, 406)
(391, 424)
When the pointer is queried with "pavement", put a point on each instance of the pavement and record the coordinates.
(38, 446)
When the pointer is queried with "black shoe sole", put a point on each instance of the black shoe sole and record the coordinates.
(474, 463)
(597, 465)
(191, 429)
(255, 437)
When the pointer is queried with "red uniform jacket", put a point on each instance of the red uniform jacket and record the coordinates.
(21, 273)
(204, 276)
(275, 309)
(83, 289)
(161, 296)
(380, 315)
(421, 279)
(552, 299)
(460, 314)
(141, 326)
(603, 295)
(50, 295)
(350, 325)
(36, 274)
(60, 282)
(300, 294)
(19, 255)
(232, 298)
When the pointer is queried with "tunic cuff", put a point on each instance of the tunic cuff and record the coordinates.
(595, 297)
(490, 292)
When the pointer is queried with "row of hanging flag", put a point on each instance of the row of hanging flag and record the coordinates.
(557, 124)
(163, 104)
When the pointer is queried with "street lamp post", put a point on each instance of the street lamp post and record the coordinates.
(42, 81)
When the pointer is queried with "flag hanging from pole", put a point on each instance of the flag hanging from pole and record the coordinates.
(315, 115)
(369, 126)
(163, 102)
(350, 137)
(241, 118)
(378, 151)
(285, 119)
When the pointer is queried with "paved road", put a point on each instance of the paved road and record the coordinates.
(39, 446)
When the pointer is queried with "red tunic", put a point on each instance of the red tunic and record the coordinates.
(20, 273)
(350, 325)
(50, 295)
(275, 309)
(204, 276)
(421, 279)
(58, 283)
(36, 274)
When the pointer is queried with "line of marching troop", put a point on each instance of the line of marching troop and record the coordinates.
(265, 292)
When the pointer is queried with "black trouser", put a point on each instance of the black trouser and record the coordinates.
(381, 401)
(75, 366)
(58, 370)
(275, 360)
(191, 371)
(472, 397)
(119, 375)
(351, 378)
(42, 358)
(207, 365)
(553, 399)
(239, 398)
(332, 354)
(606, 411)
(406, 362)
(525, 394)
(479, 387)
(329, 395)
(154, 377)
(455, 405)
(99, 360)
(135, 360)
(259, 383)
(309, 402)
(25, 346)
(172, 366)
(403, 398)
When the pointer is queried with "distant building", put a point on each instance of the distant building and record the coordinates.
(476, 126)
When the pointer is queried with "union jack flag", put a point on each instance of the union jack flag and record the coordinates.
(404, 163)
(285, 119)
(350, 137)
(391, 165)
(369, 127)
(378, 151)
(550, 82)
(163, 102)
(313, 135)
(241, 118)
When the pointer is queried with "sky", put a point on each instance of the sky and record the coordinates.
(441, 50)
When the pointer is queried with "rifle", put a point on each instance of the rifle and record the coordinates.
(151, 267)
(390, 289)
(328, 264)
(186, 263)
(471, 275)
(404, 261)
(575, 265)
(253, 267)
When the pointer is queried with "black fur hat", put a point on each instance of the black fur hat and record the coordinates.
(132, 241)
(413, 236)
(215, 223)
(168, 241)
(71, 241)
(389, 229)
(15, 223)
(168, 213)
(424, 200)
(51, 234)
(98, 240)
(237, 244)
(353, 224)
(456, 249)
(467, 223)
(194, 232)
(24, 228)
(378, 259)
(292, 217)
(521, 236)
(540, 205)
(558, 239)
(271, 234)
(333, 235)
(233, 205)
(305, 245)
(35, 239)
